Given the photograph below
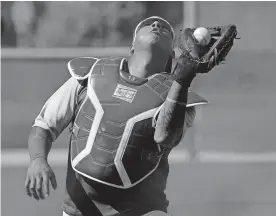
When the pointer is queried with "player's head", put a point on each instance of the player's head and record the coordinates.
(155, 34)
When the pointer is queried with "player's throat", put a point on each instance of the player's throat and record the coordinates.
(143, 64)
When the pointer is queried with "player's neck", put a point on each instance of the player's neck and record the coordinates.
(144, 64)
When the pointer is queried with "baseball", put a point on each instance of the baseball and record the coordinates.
(202, 35)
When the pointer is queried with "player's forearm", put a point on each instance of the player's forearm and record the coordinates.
(40, 143)
(170, 122)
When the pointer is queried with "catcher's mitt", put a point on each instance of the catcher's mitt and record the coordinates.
(196, 58)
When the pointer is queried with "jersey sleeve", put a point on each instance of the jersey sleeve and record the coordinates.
(58, 110)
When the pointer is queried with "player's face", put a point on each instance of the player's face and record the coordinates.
(155, 32)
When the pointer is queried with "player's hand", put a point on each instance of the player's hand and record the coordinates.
(37, 180)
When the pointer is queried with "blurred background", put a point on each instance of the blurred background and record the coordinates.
(234, 134)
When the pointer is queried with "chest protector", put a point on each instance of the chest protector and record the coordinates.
(112, 137)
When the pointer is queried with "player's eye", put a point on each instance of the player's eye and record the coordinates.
(166, 29)
(164, 26)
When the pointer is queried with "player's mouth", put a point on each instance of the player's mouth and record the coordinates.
(156, 32)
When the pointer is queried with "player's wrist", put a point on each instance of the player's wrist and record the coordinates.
(178, 93)
(39, 143)
(185, 71)
(38, 158)
(181, 103)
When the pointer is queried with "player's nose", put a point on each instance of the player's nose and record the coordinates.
(156, 24)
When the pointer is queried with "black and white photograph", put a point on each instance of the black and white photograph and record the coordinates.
(138, 108)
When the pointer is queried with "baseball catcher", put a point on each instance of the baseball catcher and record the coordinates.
(125, 115)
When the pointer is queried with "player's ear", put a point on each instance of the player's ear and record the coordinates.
(169, 64)
(168, 67)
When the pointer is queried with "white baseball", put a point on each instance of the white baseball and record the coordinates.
(202, 35)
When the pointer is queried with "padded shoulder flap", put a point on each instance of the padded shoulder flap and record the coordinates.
(80, 68)
(194, 99)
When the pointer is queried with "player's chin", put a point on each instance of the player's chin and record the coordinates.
(152, 42)
(164, 44)
(153, 38)
(158, 42)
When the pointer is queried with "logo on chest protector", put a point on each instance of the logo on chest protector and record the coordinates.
(124, 93)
